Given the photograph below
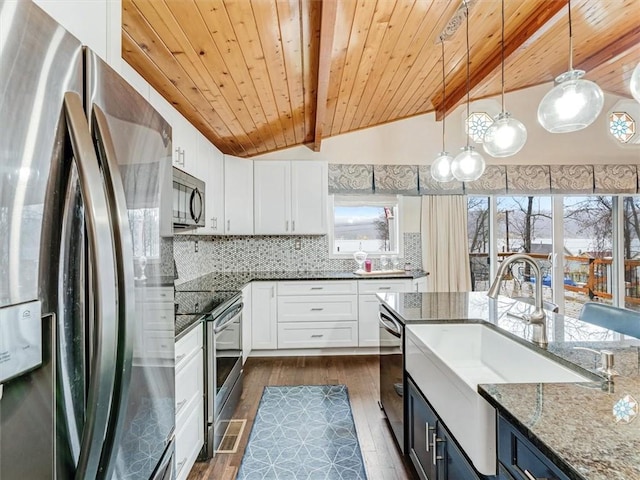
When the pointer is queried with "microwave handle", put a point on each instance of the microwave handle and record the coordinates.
(196, 206)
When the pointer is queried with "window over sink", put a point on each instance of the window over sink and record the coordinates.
(365, 222)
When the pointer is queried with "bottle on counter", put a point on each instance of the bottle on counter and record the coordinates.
(367, 265)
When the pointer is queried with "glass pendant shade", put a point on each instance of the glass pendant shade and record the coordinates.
(468, 165)
(441, 167)
(505, 137)
(635, 83)
(573, 104)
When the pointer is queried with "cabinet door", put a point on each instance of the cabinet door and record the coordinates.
(454, 463)
(238, 196)
(272, 197)
(421, 432)
(309, 197)
(211, 164)
(368, 327)
(185, 146)
(264, 325)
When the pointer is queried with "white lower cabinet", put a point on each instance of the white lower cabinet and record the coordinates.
(368, 305)
(309, 317)
(264, 328)
(189, 401)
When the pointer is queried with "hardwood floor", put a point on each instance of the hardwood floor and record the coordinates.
(359, 373)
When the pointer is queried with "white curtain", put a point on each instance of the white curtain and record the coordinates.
(445, 249)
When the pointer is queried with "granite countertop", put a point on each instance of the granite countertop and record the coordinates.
(214, 282)
(573, 424)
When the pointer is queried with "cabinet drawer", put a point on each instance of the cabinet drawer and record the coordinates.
(189, 441)
(320, 308)
(395, 285)
(158, 344)
(158, 316)
(189, 385)
(317, 334)
(332, 287)
(158, 294)
(188, 345)
(518, 455)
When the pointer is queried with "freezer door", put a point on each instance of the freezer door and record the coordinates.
(134, 141)
(39, 62)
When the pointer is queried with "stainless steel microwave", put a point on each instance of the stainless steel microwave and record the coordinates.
(188, 200)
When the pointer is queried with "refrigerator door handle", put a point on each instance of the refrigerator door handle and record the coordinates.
(102, 283)
(125, 282)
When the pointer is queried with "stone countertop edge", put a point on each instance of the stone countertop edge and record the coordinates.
(543, 447)
(185, 329)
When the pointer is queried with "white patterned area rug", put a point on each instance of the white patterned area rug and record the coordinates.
(303, 432)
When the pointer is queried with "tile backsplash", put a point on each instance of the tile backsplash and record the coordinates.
(267, 254)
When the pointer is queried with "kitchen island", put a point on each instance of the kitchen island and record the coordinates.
(588, 430)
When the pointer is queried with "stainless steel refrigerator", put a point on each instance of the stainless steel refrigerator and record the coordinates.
(86, 258)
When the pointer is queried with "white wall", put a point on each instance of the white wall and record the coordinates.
(418, 139)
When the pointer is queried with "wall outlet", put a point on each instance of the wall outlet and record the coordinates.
(195, 247)
(297, 244)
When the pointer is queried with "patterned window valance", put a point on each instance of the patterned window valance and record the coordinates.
(396, 179)
(428, 186)
(346, 178)
(492, 182)
(496, 180)
(572, 179)
(528, 179)
(615, 178)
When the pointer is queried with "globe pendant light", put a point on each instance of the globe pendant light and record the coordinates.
(469, 164)
(441, 166)
(574, 103)
(505, 136)
(635, 83)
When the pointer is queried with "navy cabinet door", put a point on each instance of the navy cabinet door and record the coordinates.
(455, 464)
(422, 428)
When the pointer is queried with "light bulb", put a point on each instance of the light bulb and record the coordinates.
(635, 83)
(505, 136)
(573, 104)
(441, 167)
(468, 165)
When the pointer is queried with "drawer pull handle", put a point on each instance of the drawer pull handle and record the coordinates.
(317, 309)
(434, 456)
(181, 464)
(384, 288)
(317, 288)
(529, 476)
(180, 405)
(180, 357)
(317, 336)
(428, 429)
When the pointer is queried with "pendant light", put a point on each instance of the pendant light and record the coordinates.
(573, 103)
(505, 136)
(441, 166)
(469, 164)
(635, 83)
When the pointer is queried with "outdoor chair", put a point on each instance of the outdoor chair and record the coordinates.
(620, 320)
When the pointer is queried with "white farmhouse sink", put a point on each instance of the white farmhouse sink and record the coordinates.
(448, 361)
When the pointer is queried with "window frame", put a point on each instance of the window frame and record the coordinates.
(375, 200)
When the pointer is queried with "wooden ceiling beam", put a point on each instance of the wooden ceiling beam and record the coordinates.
(546, 15)
(611, 52)
(327, 29)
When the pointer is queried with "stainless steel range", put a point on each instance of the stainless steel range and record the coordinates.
(223, 369)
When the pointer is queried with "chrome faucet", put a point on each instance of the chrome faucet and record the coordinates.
(538, 317)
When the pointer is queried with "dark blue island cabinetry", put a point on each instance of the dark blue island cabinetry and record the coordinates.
(432, 449)
(520, 459)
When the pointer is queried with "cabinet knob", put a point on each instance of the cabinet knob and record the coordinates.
(228, 225)
(293, 225)
(286, 225)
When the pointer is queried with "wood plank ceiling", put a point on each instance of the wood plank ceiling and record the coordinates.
(263, 75)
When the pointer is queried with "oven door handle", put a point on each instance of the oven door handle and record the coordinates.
(384, 322)
(228, 318)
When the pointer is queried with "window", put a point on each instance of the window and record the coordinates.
(631, 247)
(622, 126)
(479, 241)
(368, 223)
(477, 124)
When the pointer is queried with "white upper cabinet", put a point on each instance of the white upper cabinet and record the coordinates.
(272, 197)
(238, 196)
(309, 188)
(290, 197)
(211, 171)
(185, 145)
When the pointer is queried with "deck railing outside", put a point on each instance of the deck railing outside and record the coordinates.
(589, 277)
